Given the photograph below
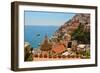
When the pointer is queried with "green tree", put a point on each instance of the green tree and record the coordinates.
(81, 35)
(28, 56)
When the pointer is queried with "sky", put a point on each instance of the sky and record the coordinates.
(46, 18)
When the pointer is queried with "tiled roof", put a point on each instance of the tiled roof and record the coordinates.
(59, 48)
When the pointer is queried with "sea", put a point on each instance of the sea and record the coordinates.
(36, 34)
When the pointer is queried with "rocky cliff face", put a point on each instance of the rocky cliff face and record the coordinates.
(71, 25)
(80, 24)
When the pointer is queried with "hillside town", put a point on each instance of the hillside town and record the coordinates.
(70, 41)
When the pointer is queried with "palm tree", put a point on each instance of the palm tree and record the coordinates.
(37, 35)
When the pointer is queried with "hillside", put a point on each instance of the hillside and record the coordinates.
(77, 27)
(72, 24)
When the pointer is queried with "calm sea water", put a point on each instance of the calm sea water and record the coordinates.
(35, 34)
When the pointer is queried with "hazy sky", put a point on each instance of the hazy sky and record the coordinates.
(46, 18)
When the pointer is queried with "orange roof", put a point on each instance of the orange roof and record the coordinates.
(58, 48)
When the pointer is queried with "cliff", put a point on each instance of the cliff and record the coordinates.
(71, 25)
(77, 27)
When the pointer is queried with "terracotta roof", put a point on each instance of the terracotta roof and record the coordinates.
(59, 48)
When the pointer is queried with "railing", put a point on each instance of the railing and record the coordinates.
(55, 56)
